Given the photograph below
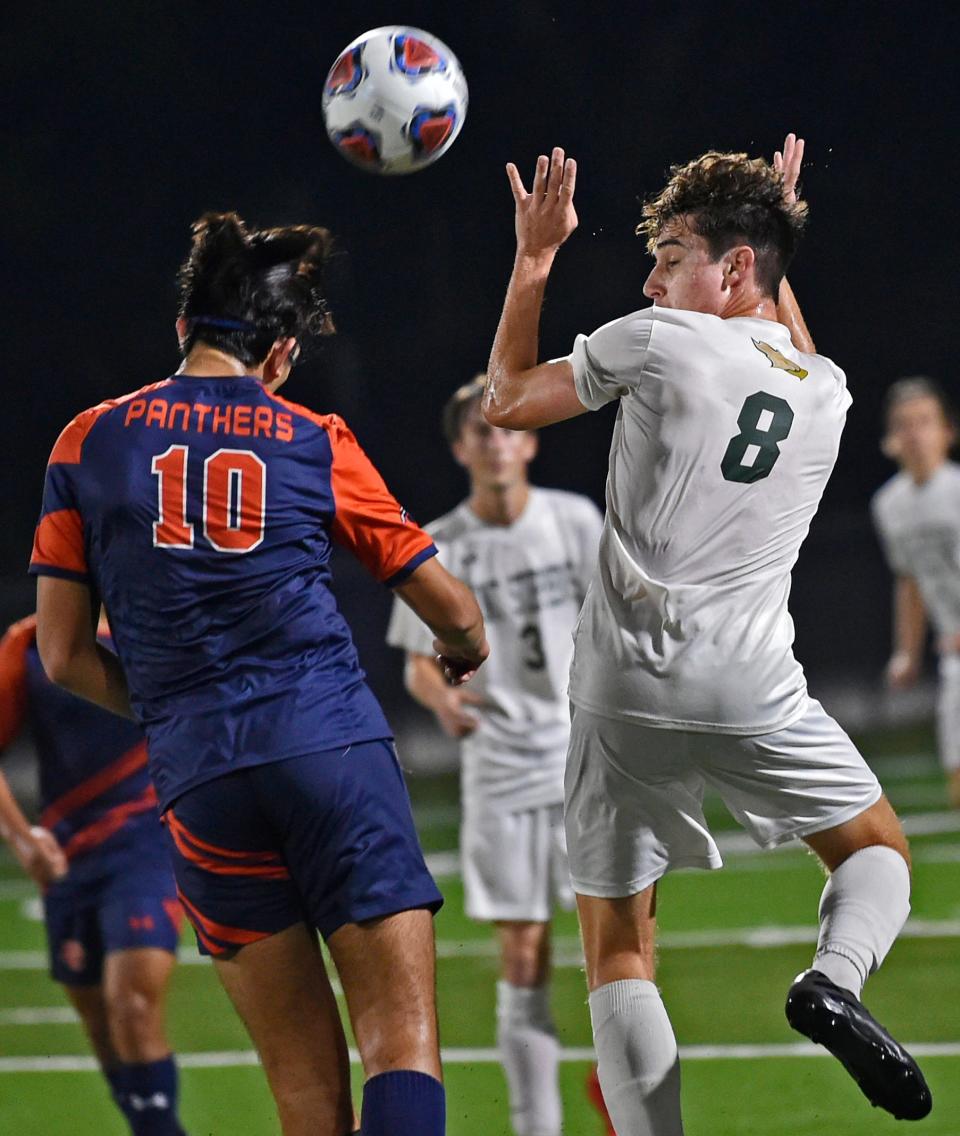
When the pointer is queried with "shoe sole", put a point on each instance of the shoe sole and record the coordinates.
(884, 1087)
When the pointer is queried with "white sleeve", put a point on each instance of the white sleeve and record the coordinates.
(408, 632)
(897, 561)
(589, 530)
(609, 363)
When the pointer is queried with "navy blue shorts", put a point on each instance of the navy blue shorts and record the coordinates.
(326, 839)
(83, 928)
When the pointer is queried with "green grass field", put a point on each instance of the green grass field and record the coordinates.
(731, 942)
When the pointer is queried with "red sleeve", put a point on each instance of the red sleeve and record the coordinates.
(368, 519)
(58, 544)
(13, 678)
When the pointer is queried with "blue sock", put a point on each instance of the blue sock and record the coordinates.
(403, 1103)
(147, 1096)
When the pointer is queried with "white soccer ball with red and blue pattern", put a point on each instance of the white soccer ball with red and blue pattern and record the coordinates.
(395, 100)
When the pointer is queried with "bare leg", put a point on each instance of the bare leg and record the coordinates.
(619, 937)
(388, 970)
(639, 1068)
(280, 988)
(524, 952)
(134, 989)
(89, 1003)
(878, 825)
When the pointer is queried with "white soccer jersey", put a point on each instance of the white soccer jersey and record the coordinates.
(919, 526)
(725, 438)
(530, 579)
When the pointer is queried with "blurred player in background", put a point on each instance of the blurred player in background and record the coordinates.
(527, 553)
(683, 672)
(101, 862)
(203, 509)
(917, 514)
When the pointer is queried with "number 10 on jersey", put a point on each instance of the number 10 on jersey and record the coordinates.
(231, 511)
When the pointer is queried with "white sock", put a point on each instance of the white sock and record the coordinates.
(637, 1058)
(862, 910)
(530, 1054)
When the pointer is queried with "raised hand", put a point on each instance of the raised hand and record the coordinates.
(545, 216)
(788, 162)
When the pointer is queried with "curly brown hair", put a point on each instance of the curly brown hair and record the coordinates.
(730, 199)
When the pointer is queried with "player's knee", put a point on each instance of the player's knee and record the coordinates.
(886, 830)
(525, 953)
(134, 1017)
(524, 965)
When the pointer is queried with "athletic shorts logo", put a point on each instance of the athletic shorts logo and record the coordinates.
(73, 954)
(141, 922)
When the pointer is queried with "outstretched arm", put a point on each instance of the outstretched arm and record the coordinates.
(520, 394)
(788, 161)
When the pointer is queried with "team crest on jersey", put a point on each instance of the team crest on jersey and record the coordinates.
(779, 360)
(73, 955)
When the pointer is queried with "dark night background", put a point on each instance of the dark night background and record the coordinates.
(125, 122)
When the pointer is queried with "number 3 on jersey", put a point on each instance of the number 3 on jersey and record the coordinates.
(234, 494)
(764, 422)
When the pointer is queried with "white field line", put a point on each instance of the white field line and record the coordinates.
(39, 1016)
(467, 1056)
(567, 947)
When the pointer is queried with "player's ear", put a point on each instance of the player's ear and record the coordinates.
(737, 264)
(181, 331)
(890, 447)
(456, 448)
(531, 445)
(277, 365)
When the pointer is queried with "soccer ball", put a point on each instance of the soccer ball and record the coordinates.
(395, 100)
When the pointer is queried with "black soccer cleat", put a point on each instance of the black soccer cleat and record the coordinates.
(834, 1018)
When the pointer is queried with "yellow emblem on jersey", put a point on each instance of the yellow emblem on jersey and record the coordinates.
(779, 360)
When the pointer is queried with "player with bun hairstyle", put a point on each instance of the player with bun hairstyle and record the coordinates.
(683, 673)
(917, 516)
(202, 509)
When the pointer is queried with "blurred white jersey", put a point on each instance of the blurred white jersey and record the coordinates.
(725, 439)
(919, 526)
(530, 579)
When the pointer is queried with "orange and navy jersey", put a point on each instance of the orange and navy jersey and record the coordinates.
(203, 511)
(95, 792)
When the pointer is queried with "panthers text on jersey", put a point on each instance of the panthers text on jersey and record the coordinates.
(202, 511)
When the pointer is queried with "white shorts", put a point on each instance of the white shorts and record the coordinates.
(948, 713)
(634, 794)
(514, 863)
